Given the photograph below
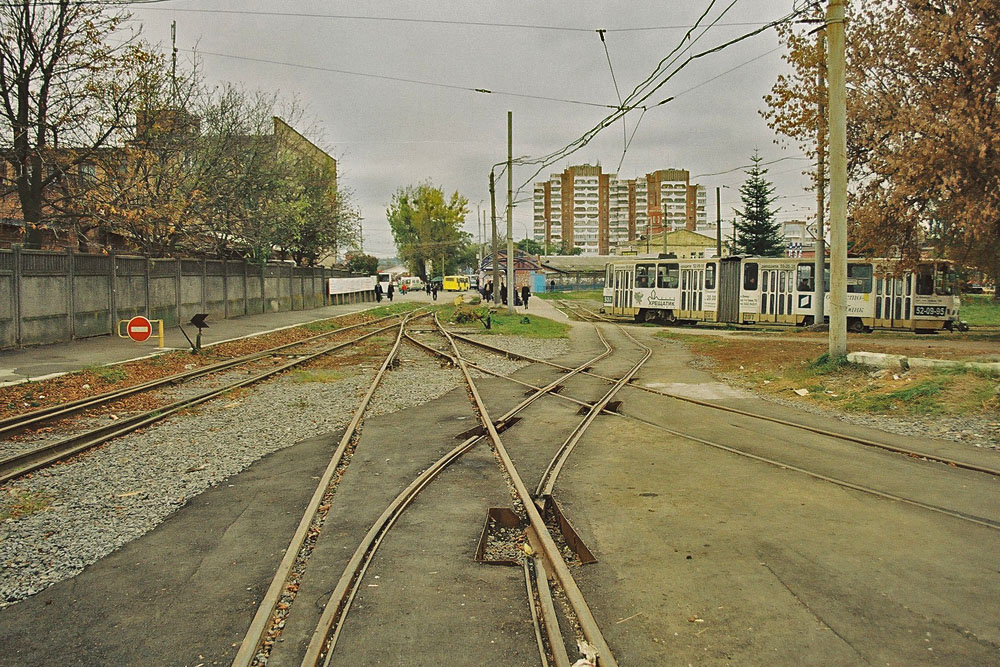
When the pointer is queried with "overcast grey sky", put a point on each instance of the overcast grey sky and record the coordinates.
(389, 133)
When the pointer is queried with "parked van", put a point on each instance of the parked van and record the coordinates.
(411, 283)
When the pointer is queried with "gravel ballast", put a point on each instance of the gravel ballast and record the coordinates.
(102, 500)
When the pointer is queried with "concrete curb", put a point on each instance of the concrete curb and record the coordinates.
(899, 362)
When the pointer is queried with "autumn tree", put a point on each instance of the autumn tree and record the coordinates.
(66, 89)
(923, 126)
(755, 230)
(151, 187)
(428, 226)
(358, 262)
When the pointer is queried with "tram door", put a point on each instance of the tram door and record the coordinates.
(775, 295)
(623, 291)
(691, 288)
(893, 301)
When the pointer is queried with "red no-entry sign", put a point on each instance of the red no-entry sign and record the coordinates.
(139, 328)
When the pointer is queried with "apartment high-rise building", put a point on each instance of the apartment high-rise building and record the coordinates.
(586, 208)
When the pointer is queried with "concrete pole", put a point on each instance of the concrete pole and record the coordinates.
(819, 263)
(718, 222)
(838, 179)
(510, 214)
(493, 215)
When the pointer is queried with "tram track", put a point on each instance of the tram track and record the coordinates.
(910, 453)
(33, 419)
(328, 630)
(322, 644)
(786, 465)
(35, 458)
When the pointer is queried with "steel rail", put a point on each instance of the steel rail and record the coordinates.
(774, 420)
(324, 639)
(788, 466)
(982, 521)
(483, 369)
(535, 621)
(25, 420)
(585, 617)
(25, 462)
(257, 631)
(548, 480)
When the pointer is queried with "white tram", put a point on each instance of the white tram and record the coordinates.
(779, 290)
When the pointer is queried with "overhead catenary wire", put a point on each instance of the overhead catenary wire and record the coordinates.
(635, 101)
(400, 19)
(386, 77)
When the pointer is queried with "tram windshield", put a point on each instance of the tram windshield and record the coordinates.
(945, 280)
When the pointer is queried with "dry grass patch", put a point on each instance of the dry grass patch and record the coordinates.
(16, 504)
(784, 367)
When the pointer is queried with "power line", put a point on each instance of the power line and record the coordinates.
(481, 24)
(646, 89)
(485, 91)
(747, 166)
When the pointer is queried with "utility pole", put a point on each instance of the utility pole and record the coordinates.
(819, 263)
(510, 213)
(718, 222)
(496, 259)
(838, 179)
(173, 68)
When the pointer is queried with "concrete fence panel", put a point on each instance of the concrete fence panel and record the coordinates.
(91, 295)
(192, 289)
(272, 288)
(163, 291)
(130, 295)
(236, 294)
(255, 289)
(43, 298)
(8, 300)
(48, 297)
(215, 289)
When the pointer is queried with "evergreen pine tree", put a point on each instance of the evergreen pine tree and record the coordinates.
(756, 232)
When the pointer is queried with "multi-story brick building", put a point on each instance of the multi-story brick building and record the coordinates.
(586, 208)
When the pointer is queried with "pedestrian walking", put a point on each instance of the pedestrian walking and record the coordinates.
(525, 295)
(378, 293)
(427, 287)
(389, 290)
(489, 290)
(434, 291)
(503, 293)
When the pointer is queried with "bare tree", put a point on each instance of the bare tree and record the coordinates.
(65, 92)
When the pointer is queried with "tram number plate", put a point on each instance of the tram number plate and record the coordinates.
(930, 311)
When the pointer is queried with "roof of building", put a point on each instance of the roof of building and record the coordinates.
(575, 263)
(680, 237)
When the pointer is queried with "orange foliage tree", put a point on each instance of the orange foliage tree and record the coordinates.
(923, 125)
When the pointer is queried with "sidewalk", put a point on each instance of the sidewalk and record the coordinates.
(41, 362)
(44, 361)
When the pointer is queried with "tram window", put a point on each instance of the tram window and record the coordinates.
(750, 276)
(944, 281)
(806, 277)
(710, 276)
(859, 278)
(667, 275)
(643, 272)
(925, 279)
